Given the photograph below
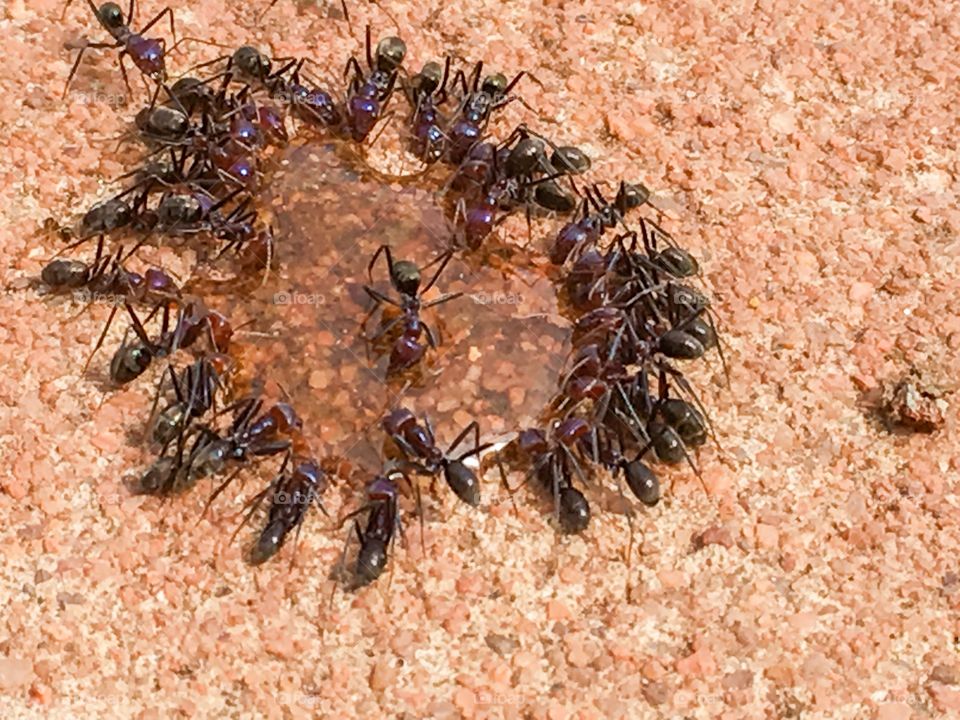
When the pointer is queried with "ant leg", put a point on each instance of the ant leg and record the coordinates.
(251, 507)
(103, 335)
(443, 259)
(296, 542)
(173, 29)
(576, 463)
(156, 398)
(506, 485)
(477, 70)
(379, 297)
(382, 122)
(512, 83)
(73, 70)
(472, 427)
(385, 250)
(431, 336)
(419, 505)
(123, 72)
(442, 299)
(76, 63)
(369, 51)
(217, 492)
(383, 329)
(354, 64)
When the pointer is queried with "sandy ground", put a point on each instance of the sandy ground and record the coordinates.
(805, 151)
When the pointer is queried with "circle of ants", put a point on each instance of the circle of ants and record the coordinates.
(621, 403)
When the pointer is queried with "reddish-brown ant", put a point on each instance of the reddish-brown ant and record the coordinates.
(147, 53)
(419, 447)
(405, 278)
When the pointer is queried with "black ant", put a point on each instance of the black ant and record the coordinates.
(578, 234)
(106, 276)
(478, 101)
(195, 391)
(383, 523)
(251, 434)
(426, 92)
(553, 463)
(291, 495)
(132, 359)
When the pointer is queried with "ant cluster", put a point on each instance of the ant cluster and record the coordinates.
(621, 401)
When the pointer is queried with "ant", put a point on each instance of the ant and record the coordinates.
(508, 176)
(251, 434)
(131, 360)
(195, 391)
(426, 92)
(405, 277)
(109, 215)
(417, 443)
(478, 101)
(105, 275)
(291, 495)
(383, 523)
(147, 53)
(578, 234)
(368, 93)
(553, 463)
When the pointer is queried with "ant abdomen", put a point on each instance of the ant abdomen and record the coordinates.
(463, 481)
(574, 511)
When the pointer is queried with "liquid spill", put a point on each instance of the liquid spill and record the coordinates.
(502, 344)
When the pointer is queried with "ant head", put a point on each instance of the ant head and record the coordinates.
(429, 78)
(390, 54)
(251, 62)
(111, 15)
(406, 277)
(494, 85)
(631, 196)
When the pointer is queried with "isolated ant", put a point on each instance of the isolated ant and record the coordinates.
(405, 277)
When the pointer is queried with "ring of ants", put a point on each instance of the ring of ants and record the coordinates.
(621, 400)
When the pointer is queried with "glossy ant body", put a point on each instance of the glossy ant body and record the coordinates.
(147, 53)
(405, 277)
